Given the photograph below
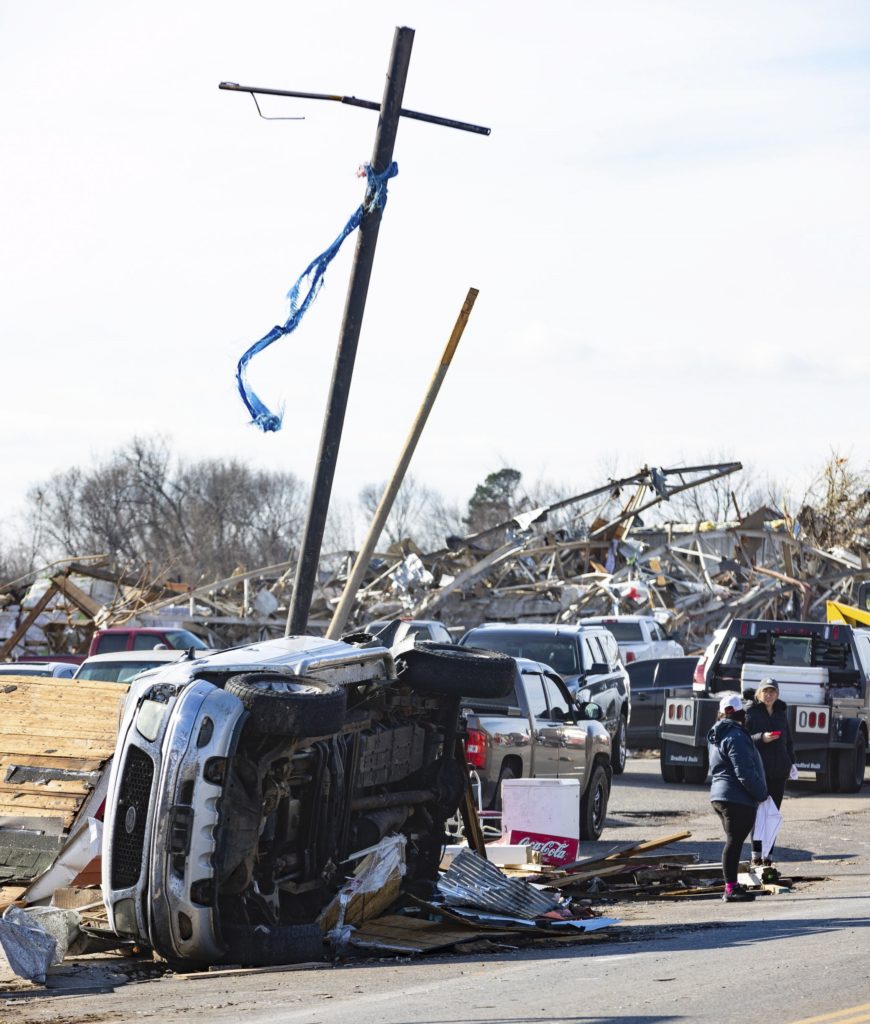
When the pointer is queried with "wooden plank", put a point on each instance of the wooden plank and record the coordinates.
(59, 686)
(26, 623)
(649, 844)
(413, 935)
(13, 803)
(60, 746)
(79, 764)
(77, 786)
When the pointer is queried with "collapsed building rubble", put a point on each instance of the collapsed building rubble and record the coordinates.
(590, 554)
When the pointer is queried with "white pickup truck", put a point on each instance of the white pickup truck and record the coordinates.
(639, 637)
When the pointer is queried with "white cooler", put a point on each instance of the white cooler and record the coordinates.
(543, 814)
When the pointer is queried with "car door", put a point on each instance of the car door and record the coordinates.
(546, 732)
(601, 649)
(572, 748)
(646, 704)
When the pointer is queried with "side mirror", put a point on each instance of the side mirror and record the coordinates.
(597, 668)
(591, 711)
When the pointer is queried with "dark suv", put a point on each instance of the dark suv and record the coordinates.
(586, 657)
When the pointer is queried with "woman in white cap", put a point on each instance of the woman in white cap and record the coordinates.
(737, 787)
(767, 723)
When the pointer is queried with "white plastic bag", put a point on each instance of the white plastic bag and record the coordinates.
(767, 822)
(793, 773)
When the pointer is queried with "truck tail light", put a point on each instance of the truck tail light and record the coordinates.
(475, 749)
(629, 656)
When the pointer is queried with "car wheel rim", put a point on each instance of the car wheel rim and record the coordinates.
(596, 807)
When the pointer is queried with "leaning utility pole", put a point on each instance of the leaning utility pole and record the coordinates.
(390, 111)
(385, 138)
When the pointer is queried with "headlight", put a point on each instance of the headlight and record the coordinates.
(124, 917)
(150, 717)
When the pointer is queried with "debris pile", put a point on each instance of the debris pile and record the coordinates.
(591, 554)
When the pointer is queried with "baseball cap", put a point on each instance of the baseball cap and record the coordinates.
(769, 684)
(730, 703)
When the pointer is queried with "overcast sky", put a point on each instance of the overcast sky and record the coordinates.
(668, 227)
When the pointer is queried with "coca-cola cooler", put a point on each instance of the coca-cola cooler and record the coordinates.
(543, 814)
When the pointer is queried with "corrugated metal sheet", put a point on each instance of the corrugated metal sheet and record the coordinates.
(471, 881)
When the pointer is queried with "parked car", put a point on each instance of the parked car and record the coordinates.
(391, 631)
(639, 637)
(38, 668)
(143, 638)
(540, 731)
(651, 681)
(122, 666)
(587, 659)
(245, 783)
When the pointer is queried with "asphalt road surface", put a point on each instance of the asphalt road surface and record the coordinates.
(795, 957)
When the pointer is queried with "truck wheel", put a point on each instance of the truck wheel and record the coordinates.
(826, 780)
(619, 748)
(670, 772)
(695, 774)
(851, 764)
(272, 945)
(286, 705)
(593, 805)
(452, 671)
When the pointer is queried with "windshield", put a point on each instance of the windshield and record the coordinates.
(625, 632)
(116, 671)
(181, 639)
(559, 652)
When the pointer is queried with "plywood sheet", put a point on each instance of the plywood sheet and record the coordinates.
(58, 725)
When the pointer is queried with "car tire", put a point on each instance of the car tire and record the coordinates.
(695, 774)
(272, 945)
(672, 773)
(619, 748)
(452, 671)
(593, 804)
(851, 764)
(281, 704)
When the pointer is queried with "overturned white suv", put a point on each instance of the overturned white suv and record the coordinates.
(243, 781)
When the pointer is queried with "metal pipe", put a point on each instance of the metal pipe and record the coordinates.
(385, 138)
(342, 611)
(354, 102)
(411, 796)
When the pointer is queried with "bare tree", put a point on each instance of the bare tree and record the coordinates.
(146, 510)
(410, 514)
(836, 508)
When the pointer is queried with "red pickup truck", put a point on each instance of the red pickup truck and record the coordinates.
(143, 638)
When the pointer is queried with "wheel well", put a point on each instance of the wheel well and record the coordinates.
(604, 761)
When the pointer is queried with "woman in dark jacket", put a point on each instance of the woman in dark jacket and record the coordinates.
(737, 787)
(767, 723)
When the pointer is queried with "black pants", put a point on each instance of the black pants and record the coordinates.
(737, 821)
(776, 789)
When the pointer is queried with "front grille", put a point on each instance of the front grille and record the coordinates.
(134, 797)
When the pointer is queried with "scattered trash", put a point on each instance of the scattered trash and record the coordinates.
(35, 938)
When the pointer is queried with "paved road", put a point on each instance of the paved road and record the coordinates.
(781, 959)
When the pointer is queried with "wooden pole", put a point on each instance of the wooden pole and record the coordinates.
(342, 611)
